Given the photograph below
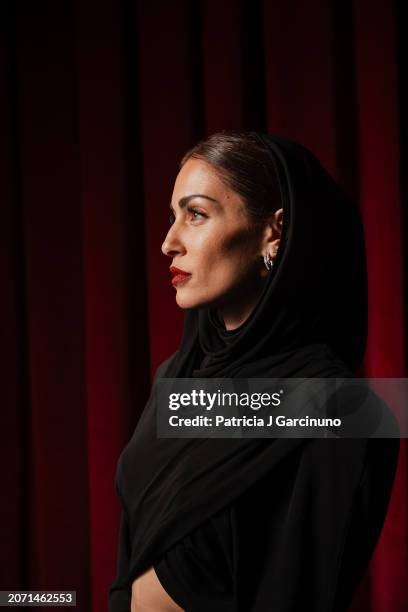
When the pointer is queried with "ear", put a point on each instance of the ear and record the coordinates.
(272, 233)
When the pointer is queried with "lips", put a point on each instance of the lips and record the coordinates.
(178, 275)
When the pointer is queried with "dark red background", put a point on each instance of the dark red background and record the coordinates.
(100, 99)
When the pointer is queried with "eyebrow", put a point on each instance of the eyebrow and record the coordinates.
(184, 201)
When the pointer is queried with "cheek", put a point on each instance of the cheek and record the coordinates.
(238, 250)
(220, 263)
(227, 258)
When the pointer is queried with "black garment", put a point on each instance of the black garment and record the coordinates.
(259, 524)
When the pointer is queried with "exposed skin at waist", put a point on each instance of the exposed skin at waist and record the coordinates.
(148, 595)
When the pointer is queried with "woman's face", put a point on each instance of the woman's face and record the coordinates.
(212, 239)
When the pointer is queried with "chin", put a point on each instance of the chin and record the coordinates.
(188, 301)
(185, 303)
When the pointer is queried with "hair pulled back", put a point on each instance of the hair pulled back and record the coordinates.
(245, 164)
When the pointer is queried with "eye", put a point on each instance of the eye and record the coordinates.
(195, 212)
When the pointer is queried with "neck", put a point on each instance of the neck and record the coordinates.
(236, 314)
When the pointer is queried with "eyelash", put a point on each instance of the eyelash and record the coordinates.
(190, 210)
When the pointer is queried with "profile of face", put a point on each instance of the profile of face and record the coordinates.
(214, 242)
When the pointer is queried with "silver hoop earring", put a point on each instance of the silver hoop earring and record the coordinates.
(268, 261)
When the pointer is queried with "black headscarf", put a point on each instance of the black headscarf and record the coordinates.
(310, 321)
(317, 291)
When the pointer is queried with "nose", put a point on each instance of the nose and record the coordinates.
(172, 244)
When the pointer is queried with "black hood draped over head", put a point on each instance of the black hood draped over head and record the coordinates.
(317, 290)
(316, 503)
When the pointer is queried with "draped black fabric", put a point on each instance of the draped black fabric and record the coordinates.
(285, 524)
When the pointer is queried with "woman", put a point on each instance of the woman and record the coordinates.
(268, 261)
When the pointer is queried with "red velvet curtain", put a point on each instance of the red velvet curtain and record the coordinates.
(100, 99)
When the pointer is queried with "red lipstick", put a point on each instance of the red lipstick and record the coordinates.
(178, 275)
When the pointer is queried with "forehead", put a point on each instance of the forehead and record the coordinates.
(197, 176)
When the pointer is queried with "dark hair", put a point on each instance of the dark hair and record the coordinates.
(244, 162)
